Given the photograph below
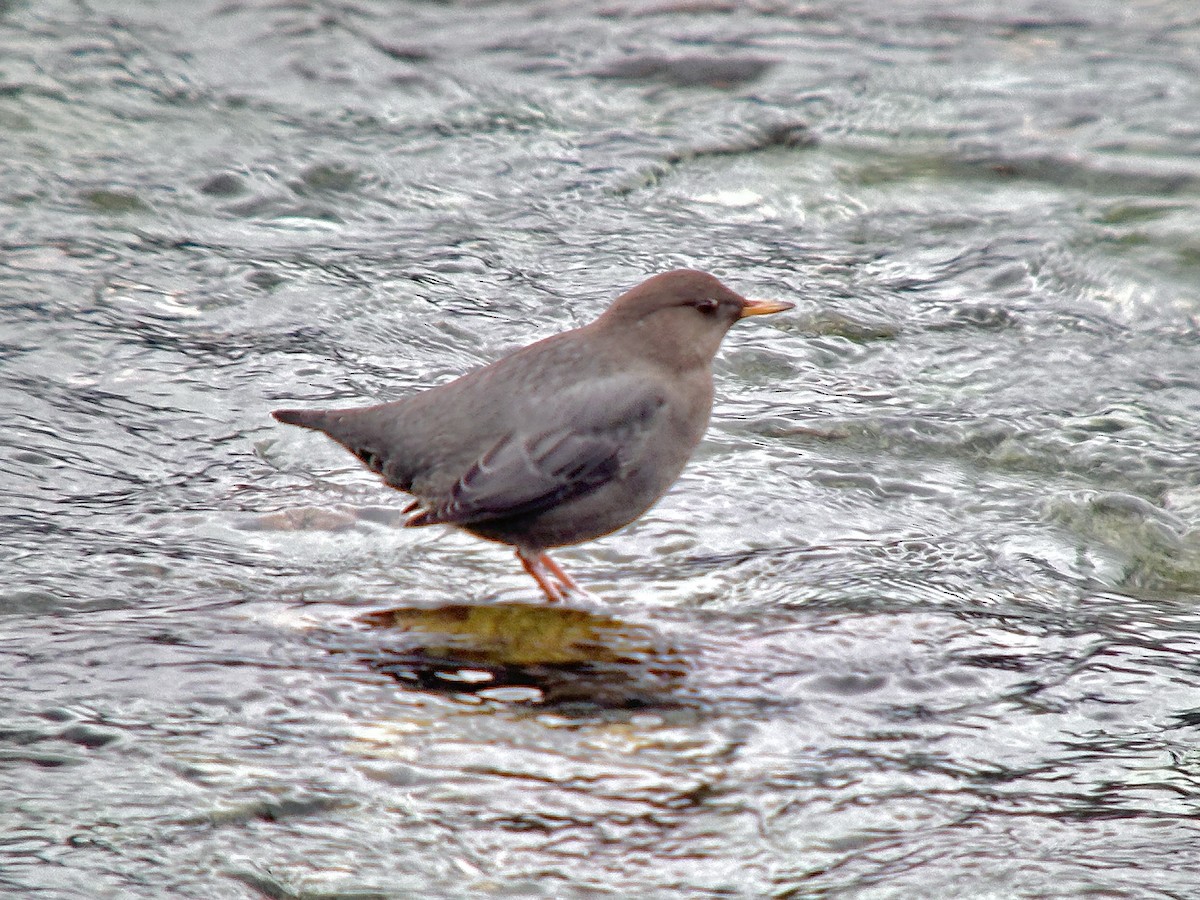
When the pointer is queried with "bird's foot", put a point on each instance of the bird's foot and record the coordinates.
(555, 583)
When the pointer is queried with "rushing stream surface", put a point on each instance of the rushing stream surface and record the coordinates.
(920, 619)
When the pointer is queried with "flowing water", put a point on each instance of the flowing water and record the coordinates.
(920, 619)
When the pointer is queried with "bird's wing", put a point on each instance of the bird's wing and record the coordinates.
(582, 444)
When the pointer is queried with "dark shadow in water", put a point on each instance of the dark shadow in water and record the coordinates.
(549, 655)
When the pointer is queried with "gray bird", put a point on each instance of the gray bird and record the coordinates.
(565, 440)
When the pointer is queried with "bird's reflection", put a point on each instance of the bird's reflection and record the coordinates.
(522, 652)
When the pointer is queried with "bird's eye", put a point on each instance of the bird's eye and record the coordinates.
(708, 305)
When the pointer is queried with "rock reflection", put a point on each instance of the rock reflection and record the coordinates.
(517, 652)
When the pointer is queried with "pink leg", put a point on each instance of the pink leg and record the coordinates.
(557, 571)
(537, 568)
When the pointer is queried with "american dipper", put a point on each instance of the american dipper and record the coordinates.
(565, 440)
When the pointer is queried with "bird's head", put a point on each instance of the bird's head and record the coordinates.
(680, 317)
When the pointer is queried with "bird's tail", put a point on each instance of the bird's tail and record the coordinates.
(349, 428)
(305, 418)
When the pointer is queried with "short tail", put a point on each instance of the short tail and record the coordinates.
(348, 428)
(305, 418)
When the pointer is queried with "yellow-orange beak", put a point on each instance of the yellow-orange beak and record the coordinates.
(764, 307)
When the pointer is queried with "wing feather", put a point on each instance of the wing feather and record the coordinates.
(523, 476)
(525, 473)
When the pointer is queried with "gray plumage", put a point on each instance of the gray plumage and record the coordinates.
(565, 440)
